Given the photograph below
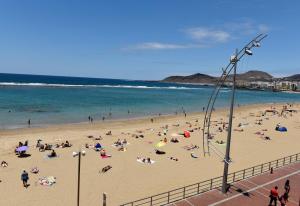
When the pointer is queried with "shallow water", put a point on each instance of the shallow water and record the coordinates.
(55, 100)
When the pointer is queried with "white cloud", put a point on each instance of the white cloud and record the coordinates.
(161, 46)
(247, 27)
(207, 34)
(262, 28)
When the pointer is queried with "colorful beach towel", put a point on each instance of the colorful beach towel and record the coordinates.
(34, 170)
(105, 156)
(141, 161)
(160, 144)
(47, 181)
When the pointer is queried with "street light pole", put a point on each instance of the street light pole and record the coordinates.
(78, 180)
(227, 154)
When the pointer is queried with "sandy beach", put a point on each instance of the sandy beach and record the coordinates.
(129, 179)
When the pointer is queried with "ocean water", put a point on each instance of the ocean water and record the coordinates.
(54, 100)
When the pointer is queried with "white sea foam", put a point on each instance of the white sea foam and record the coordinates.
(81, 85)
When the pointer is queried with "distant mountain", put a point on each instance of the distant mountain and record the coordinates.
(253, 75)
(295, 77)
(195, 78)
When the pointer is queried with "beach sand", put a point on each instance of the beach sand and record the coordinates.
(128, 179)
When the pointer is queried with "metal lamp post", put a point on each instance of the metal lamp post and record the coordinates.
(227, 154)
(78, 176)
(231, 68)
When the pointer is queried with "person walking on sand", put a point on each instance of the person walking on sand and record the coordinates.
(24, 178)
(273, 196)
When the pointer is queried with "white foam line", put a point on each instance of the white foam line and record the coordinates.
(255, 188)
(101, 86)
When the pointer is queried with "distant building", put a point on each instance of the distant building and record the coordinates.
(276, 84)
(286, 85)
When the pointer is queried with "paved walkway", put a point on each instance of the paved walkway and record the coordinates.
(253, 191)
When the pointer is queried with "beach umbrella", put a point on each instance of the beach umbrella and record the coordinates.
(22, 149)
(186, 134)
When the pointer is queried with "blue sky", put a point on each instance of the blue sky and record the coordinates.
(143, 39)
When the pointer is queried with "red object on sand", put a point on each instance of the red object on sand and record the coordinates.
(186, 134)
(105, 156)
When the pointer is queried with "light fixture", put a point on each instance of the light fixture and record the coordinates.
(233, 59)
(248, 51)
(256, 44)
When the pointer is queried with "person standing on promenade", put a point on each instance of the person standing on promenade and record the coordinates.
(287, 186)
(283, 199)
(25, 178)
(273, 196)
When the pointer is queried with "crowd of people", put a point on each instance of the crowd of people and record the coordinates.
(284, 198)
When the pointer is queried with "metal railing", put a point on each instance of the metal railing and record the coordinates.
(214, 183)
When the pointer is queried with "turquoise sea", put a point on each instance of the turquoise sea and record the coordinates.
(54, 100)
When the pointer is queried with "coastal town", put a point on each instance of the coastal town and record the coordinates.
(254, 80)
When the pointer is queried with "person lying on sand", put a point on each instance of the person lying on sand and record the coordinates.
(109, 133)
(118, 143)
(34, 170)
(220, 142)
(159, 152)
(98, 138)
(48, 147)
(88, 146)
(4, 164)
(174, 140)
(239, 130)
(42, 148)
(191, 147)
(173, 158)
(103, 153)
(145, 160)
(122, 149)
(106, 168)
